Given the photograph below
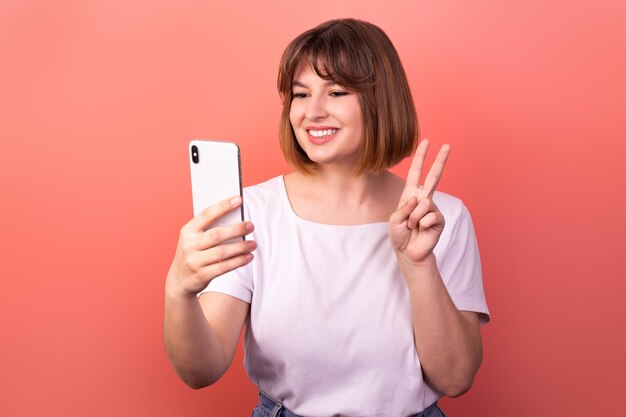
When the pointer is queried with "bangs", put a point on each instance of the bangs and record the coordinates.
(331, 58)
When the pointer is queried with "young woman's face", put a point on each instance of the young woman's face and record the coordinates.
(326, 119)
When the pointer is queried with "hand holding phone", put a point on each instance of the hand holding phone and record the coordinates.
(204, 253)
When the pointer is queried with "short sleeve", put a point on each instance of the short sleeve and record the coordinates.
(237, 283)
(460, 266)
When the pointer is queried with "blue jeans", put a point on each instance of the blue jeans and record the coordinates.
(269, 408)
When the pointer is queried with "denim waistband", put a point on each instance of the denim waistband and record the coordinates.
(276, 409)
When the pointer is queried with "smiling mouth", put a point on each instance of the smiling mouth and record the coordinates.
(322, 133)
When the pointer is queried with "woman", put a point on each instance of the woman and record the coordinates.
(357, 301)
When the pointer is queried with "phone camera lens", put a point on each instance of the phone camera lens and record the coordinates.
(195, 157)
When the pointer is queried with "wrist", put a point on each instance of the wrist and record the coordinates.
(427, 263)
(177, 293)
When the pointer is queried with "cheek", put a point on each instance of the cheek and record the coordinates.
(295, 118)
(353, 113)
(295, 115)
(355, 118)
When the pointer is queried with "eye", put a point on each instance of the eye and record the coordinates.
(298, 95)
(338, 93)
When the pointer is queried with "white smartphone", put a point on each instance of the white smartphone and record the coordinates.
(215, 176)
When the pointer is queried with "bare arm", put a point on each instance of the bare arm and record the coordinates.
(447, 340)
(201, 335)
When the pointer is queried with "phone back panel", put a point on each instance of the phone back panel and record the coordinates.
(215, 176)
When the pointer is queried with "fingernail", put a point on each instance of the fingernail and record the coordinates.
(252, 245)
(249, 227)
(235, 201)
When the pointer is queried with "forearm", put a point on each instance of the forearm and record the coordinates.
(193, 348)
(448, 343)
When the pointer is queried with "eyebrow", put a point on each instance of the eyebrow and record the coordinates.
(301, 84)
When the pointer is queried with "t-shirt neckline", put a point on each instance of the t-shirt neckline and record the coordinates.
(282, 188)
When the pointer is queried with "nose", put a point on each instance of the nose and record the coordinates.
(316, 107)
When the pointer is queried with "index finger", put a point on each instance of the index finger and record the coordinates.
(415, 170)
(207, 216)
(436, 170)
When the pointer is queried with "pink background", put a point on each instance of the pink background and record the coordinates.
(99, 99)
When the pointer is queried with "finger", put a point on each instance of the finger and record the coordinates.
(207, 216)
(216, 235)
(403, 212)
(436, 171)
(415, 170)
(423, 207)
(430, 220)
(221, 253)
(220, 268)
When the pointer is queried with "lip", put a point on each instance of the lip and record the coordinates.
(322, 140)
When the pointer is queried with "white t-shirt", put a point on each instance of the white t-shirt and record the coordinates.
(330, 329)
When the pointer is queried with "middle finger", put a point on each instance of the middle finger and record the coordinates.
(226, 251)
(436, 170)
(217, 235)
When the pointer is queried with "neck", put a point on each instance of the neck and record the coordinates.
(351, 189)
(332, 197)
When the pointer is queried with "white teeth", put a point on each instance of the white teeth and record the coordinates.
(320, 133)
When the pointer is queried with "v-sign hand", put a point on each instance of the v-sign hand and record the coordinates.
(415, 227)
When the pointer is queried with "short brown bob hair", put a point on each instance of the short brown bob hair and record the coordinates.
(358, 56)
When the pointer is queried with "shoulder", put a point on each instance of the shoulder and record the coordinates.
(450, 206)
(264, 191)
(458, 226)
(264, 198)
